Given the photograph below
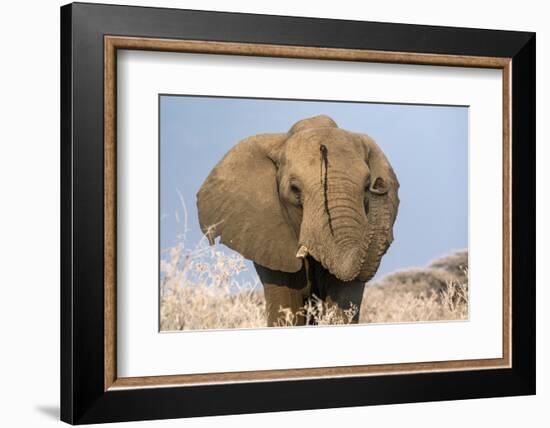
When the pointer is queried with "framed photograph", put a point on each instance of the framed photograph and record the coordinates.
(265, 213)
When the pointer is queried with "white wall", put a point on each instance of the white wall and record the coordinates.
(29, 226)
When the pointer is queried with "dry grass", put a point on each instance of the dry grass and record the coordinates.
(199, 290)
(204, 288)
(317, 312)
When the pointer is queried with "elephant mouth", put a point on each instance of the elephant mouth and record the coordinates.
(346, 267)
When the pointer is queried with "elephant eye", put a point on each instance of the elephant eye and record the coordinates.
(295, 189)
(297, 193)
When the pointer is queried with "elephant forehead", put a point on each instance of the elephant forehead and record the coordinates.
(340, 145)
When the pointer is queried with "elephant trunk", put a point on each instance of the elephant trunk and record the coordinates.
(336, 234)
(351, 241)
(380, 222)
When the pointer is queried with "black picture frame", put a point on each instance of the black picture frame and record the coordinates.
(83, 398)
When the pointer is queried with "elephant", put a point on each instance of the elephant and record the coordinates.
(313, 208)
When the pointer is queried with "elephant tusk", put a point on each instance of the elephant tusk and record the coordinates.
(302, 252)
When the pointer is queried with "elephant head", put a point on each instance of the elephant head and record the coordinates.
(316, 190)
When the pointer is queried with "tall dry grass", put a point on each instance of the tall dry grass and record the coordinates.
(204, 288)
(199, 289)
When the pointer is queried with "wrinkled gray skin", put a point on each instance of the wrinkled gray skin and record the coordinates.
(314, 209)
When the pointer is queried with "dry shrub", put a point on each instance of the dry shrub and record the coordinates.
(436, 293)
(455, 263)
(432, 279)
(381, 305)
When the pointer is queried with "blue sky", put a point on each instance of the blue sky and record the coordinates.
(427, 146)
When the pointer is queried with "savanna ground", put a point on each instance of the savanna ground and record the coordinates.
(203, 288)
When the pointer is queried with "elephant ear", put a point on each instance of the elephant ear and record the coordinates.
(383, 205)
(239, 201)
